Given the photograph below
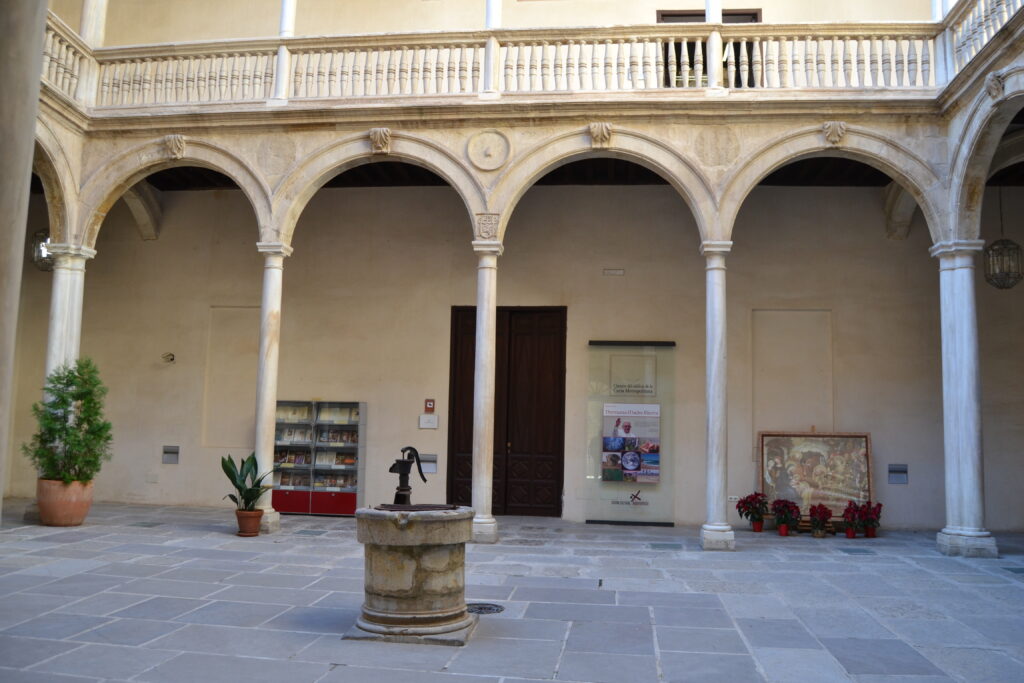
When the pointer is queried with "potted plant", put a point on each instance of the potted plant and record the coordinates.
(870, 516)
(249, 487)
(754, 507)
(820, 515)
(851, 516)
(786, 513)
(71, 443)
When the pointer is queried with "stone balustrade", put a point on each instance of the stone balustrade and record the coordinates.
(804, 57)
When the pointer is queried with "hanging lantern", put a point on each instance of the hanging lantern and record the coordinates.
(1002, 258)
(41, 256)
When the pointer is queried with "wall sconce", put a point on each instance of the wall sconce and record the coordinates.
(41, 256)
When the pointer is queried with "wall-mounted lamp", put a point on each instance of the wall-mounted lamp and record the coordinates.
(1002, 258)
(41, 256)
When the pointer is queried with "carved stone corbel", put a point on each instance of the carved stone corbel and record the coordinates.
(834, 132)
(380, 140)
(487, 226)
(174, 146)
(600, 135)
(995, 84)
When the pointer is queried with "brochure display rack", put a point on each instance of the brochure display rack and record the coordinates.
(318, 456)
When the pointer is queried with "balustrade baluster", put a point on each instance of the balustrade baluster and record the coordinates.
(912, 77)
(157, 91)
(620, 65)
(819, 63)
(785, 63)
(886, 63)
(57, 64)
(534, 80)
(756, 64)
(926, 62)
(520, 66)
(135, 92)
(835, 63)
(698, 63)
(69, 65)
(476, 66)
(417, 72)
(797, 64)
(48, 54)
(673, 67)
(730, 66)
(220, 65)
(391, 75)
(684, 66)
(809, 45)
(848, 48)
(634, 65)
(571, 64)
(744, 65)
(76, 70)
(451, 70)
(359, 64)
(146, 84)
(464, 70)
(647, 65)
(863, 47)
(901, 63)
(170, 75)
(659, 62)
(104, 81)
(435, 71)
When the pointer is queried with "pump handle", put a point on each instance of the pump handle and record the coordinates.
(411, 453)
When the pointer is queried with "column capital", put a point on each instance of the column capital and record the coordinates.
(956, 248)
(274, 248)
(64, 249)
(493, 247)
(715, 247)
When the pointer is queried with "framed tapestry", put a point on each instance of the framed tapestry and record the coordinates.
(812, 468)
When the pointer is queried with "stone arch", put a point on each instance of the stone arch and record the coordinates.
(113, 178)
(308, 175)
(50, 164)
(975, 150)
(681, 173)
(869, 147)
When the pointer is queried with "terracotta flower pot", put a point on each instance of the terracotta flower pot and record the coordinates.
(758, 525)
(63, 504)
(783, 530)
(249, 522)
(870, 532)
(851, 532)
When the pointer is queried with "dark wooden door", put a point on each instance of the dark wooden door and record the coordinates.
(529, 410)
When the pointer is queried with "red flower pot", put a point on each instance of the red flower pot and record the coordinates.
(851, 532)
(869, 532)
(758, 525)
(783, 530)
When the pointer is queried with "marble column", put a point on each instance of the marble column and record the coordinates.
(93, 25)
(713, 15)
(68, 292)
(274, 254)
(492, 21)
(964, 533)
(22, 25)
(716, 533)
(283, 69)
(485, 527)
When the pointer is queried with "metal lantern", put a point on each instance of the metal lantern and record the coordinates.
(1002, 258)
(41, 256)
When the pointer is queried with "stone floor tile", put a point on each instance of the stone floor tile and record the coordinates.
(211, 554)
(79, 585)
(227, 613)
(694, 600)
(336, 584)
(975, 665)
(506, 657)
(105, 661)
(354, 674)
(314, 620)
(277, 596)
(366, 653)
(231, 640)
(699, 640)
(564, 595)
(874, 656)
(607, 668)
(785, 665)
(55, 625)
(128, 632)
(777, 633)
(576, 612)
(482, 593)
(102, 604)
(269, 580)
(338, 599)
(18, 607)
(13, 676)
(997, 629)
(937, 632)
(697, 617)
(841, 622)
(611, 638)
(529, 629)
(160, 608)
(11, 583)
(19, 653)
(192, 668)
(170, 588)
(128, 569)
(690, 667)
(186, 573)
(881, 678)
(756, 606)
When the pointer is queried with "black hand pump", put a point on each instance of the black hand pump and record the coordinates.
(402, 467)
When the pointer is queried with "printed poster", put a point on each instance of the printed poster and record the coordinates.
(631, 442)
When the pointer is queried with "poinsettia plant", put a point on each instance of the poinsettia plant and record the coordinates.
(754, 507)
(785, 511)
(820, 515)
(851, 515)
(870, 515)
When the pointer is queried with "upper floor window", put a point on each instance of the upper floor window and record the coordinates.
(696, 16)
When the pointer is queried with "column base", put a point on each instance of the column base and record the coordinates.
(270, 522)
(31, 514)
(717, 539)
(966, 546)
(485, 530)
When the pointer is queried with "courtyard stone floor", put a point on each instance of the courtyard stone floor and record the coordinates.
(145, 593)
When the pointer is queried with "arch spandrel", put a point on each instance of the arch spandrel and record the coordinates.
(309, 174)
(114, 177)
(679, 171)
(909, 170)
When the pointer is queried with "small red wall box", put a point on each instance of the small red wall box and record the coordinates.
(428, 405)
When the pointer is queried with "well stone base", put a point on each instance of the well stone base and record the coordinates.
(363, 630)
(966, 546)
(717, 540)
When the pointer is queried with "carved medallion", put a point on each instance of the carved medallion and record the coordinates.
(834, 132)
(600, 135)
(487, 226)
(488, 150)
(717, 146)
(174, 146)
(995, 84)
(380, 140)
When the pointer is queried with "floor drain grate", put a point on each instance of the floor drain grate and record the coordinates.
(484, 608)
(857, 551)
(666, 546)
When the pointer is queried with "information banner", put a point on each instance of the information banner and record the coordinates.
(631, 442)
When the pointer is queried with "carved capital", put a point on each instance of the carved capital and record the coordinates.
(952, 248)
(715, 247)
(63, 249)
(487, 226)
(834, 132)
(174, 146)
(380, 140)
(600, 135)
(488, 248)
(995, 84)
(274, 248)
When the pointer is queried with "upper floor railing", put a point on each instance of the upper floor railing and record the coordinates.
(665, 57)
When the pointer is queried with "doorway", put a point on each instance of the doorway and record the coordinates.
(529, 410)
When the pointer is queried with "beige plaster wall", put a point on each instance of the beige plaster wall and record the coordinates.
(153, 21)
(366, 316)
(69, 11)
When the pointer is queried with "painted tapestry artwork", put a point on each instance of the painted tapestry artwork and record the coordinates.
(816, 468)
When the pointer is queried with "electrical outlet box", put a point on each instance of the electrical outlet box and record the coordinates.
(734, 499)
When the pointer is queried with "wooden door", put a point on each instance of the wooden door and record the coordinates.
(529, 410)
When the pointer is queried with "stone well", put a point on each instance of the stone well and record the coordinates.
(415, 584)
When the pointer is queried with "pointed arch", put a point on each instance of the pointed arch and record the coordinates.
(50, 164)
(680, 172)
(899, 163)
(309, 174)
(113, 178)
